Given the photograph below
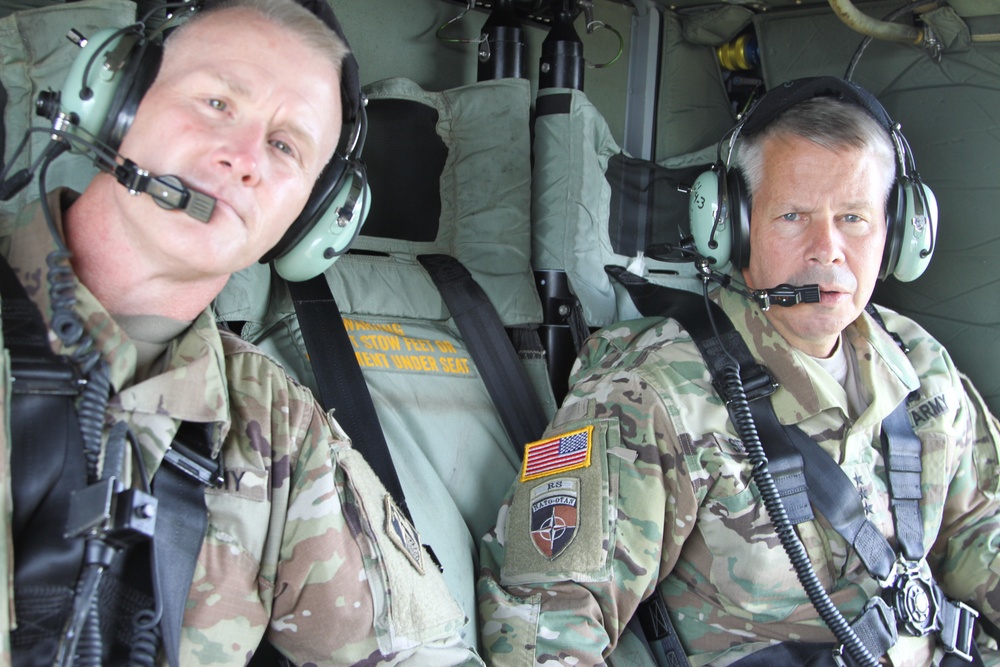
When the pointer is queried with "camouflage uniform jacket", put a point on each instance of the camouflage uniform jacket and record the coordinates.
(663, 500)
(297, 545)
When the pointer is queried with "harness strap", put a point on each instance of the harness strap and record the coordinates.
(341, 384)
(901, 451)
(803, 467)
(483, 332)
(181, 520)
(47, 464)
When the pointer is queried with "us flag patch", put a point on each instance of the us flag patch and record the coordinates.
(568, 451)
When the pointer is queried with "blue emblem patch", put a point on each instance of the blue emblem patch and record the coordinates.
(554, 513)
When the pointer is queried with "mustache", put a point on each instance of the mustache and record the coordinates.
(826, 276)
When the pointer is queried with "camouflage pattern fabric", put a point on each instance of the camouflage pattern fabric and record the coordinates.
(300, 545)
(664, 501)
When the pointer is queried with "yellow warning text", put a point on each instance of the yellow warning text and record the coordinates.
(386, 346)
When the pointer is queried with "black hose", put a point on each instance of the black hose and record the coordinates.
(739, 411)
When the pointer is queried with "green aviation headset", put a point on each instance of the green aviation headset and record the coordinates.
(116, 67)
(719, 204)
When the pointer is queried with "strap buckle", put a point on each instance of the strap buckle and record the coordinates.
(914, 597)
(957, 628)
(205, 470)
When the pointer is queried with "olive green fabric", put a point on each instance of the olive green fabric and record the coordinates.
(571, 208)
(693, 109)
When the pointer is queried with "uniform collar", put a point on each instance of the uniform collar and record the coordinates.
(885, 373)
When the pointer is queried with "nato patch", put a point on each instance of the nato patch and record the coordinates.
(554, 512)
(568, 451)
(403, 534)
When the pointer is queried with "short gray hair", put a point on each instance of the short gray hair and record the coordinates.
(288, 14)
(827, 122)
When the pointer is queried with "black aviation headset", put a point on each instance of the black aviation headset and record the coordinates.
(117, 66)
(719, 204)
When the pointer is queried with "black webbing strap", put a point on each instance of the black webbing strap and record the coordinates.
(46, 466)
(652, 626)
(341, 384)
(486, 339)
(24, 330)
(803, 471)
(719, 351)
(181, 521)
(901, 451)
(836, 498)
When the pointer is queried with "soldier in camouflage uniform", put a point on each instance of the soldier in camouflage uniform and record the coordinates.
(642, 486)
(299, 547)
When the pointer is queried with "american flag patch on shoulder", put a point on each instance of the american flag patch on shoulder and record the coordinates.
(563, 452)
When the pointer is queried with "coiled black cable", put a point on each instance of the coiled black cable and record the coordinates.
(81, 643)
(145, 639)
(67, 325)
(91, 645)
(743, 421)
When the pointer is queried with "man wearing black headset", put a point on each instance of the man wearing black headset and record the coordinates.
(199, 501)
(790, 478)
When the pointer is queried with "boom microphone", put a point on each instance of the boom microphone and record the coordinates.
(782, 295)
(167, 191)
(785, 295)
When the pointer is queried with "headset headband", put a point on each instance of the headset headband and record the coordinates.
(778, 100)
(350, 78)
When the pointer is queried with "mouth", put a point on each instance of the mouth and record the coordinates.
(832, 295)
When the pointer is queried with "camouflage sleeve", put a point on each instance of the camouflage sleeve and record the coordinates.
(966, 555)
(351, 561)
(342, 575)
(580, 542)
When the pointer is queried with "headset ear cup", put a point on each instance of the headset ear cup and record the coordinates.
(92, 92)
(336, 225)
(711, 234)
(917, 230)
(137, 76)
(329, 183)
(739, 216)
(894, 212)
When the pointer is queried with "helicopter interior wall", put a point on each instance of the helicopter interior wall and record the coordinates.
(693, 108)
(949, 111)
(402, 39)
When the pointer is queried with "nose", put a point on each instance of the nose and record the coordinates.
(825, 241)
(239, 152)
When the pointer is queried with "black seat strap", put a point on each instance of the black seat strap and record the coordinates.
(804, 472)
(340, 381)
(483, 332)
(181, 521)
(46, 467)
(805, 468)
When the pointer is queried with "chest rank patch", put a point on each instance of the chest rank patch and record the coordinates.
(554, 512)
(403, 534)
(568, 451)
